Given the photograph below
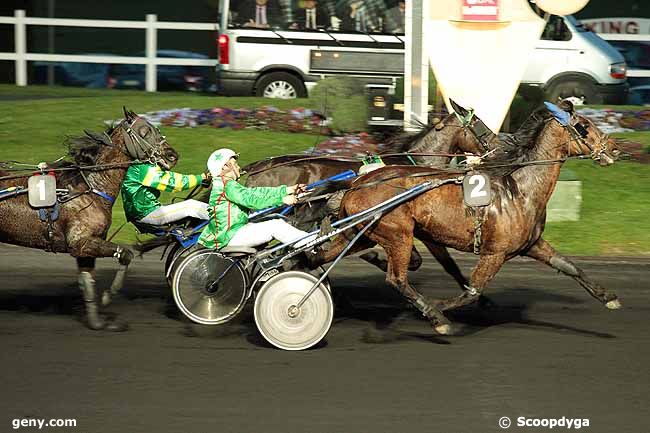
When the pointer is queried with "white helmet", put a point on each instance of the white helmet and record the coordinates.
(218, 159)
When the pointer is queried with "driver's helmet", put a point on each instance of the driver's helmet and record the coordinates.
(218, 159)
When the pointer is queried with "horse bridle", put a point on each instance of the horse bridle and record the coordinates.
(476, 126)
(140, 149)
(579, 133)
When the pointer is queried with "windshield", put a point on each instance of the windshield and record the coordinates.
(362, 16)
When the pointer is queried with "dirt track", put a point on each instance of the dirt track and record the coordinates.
(548, 351)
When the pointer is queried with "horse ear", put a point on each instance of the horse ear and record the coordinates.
(127, 113)
(457, 108)
(567, 105)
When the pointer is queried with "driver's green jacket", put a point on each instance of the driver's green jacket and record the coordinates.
(142, 185)
(229, 206)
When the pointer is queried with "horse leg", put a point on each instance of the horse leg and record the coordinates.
(86, 250)
(449, 264)
(486, 268)
(399, 252)
(373, 257)
(86, 267)
(545, 253)
(116, 285)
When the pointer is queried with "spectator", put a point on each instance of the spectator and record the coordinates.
(259, 13)
(311, 16)
(394, 19)
(355, 17)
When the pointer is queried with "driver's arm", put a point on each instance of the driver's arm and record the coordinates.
(169, 181)
(255, 198)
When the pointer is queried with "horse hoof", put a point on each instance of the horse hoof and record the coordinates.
(614, 304)
(96, 325)
(106, 299)
(116, 327)
(444, 329)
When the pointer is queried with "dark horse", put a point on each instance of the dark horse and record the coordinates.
(93, 182)
(512, 224)
(432, 145)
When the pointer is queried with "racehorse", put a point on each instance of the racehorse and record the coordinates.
(522, 182)
(435, 144)
(93, 182)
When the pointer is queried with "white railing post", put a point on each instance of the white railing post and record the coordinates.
(20, 41)
(152, 47)
(416, 64)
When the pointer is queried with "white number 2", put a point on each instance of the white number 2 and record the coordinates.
(41, 188)
(478, 190)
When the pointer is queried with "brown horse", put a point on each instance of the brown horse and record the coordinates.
(93, 182)
(511, 225)
(432, 145)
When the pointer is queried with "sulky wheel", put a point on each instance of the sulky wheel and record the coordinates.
(209, 288)
(175, 257)
(281, 323)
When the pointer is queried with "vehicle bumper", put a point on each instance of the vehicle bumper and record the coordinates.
(236, 83)
(614, 93)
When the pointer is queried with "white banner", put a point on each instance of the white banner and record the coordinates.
(480, 64)
(625, 26)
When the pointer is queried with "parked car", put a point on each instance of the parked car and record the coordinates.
(639, 95)
(284, 62)
(72, 74)
(170, 77)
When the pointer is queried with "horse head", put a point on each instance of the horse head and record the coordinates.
(142, 141)
(459, 132)
(585, 137)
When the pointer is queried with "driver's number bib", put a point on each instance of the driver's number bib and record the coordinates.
(476, 189)
(41, 190)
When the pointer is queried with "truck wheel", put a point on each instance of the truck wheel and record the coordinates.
(575, 87)
(280, 85)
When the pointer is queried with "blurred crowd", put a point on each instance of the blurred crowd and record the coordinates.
(365, 16)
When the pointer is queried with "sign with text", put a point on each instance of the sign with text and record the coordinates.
(481, 10)
(624, 26)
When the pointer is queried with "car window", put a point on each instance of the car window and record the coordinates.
(556, 30)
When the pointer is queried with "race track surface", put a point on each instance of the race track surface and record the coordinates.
(547, 350)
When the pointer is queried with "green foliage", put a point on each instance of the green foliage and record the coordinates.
(344, 100)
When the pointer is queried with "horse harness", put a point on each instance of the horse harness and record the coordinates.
(136, 147)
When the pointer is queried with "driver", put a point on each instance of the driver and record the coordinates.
(230, 203)
(141, 189)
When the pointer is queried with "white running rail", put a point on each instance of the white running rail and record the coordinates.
(151, 25)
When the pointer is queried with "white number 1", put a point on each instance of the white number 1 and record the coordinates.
(478, 190)
(41, 187)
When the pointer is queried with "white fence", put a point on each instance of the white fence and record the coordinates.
(151, 25)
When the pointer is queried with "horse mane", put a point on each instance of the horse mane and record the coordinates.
(85, 149)
(519, 147)
(405, 141)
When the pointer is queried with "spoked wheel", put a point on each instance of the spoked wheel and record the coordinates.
(284, 325)
(175, 257)
(209, 288)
